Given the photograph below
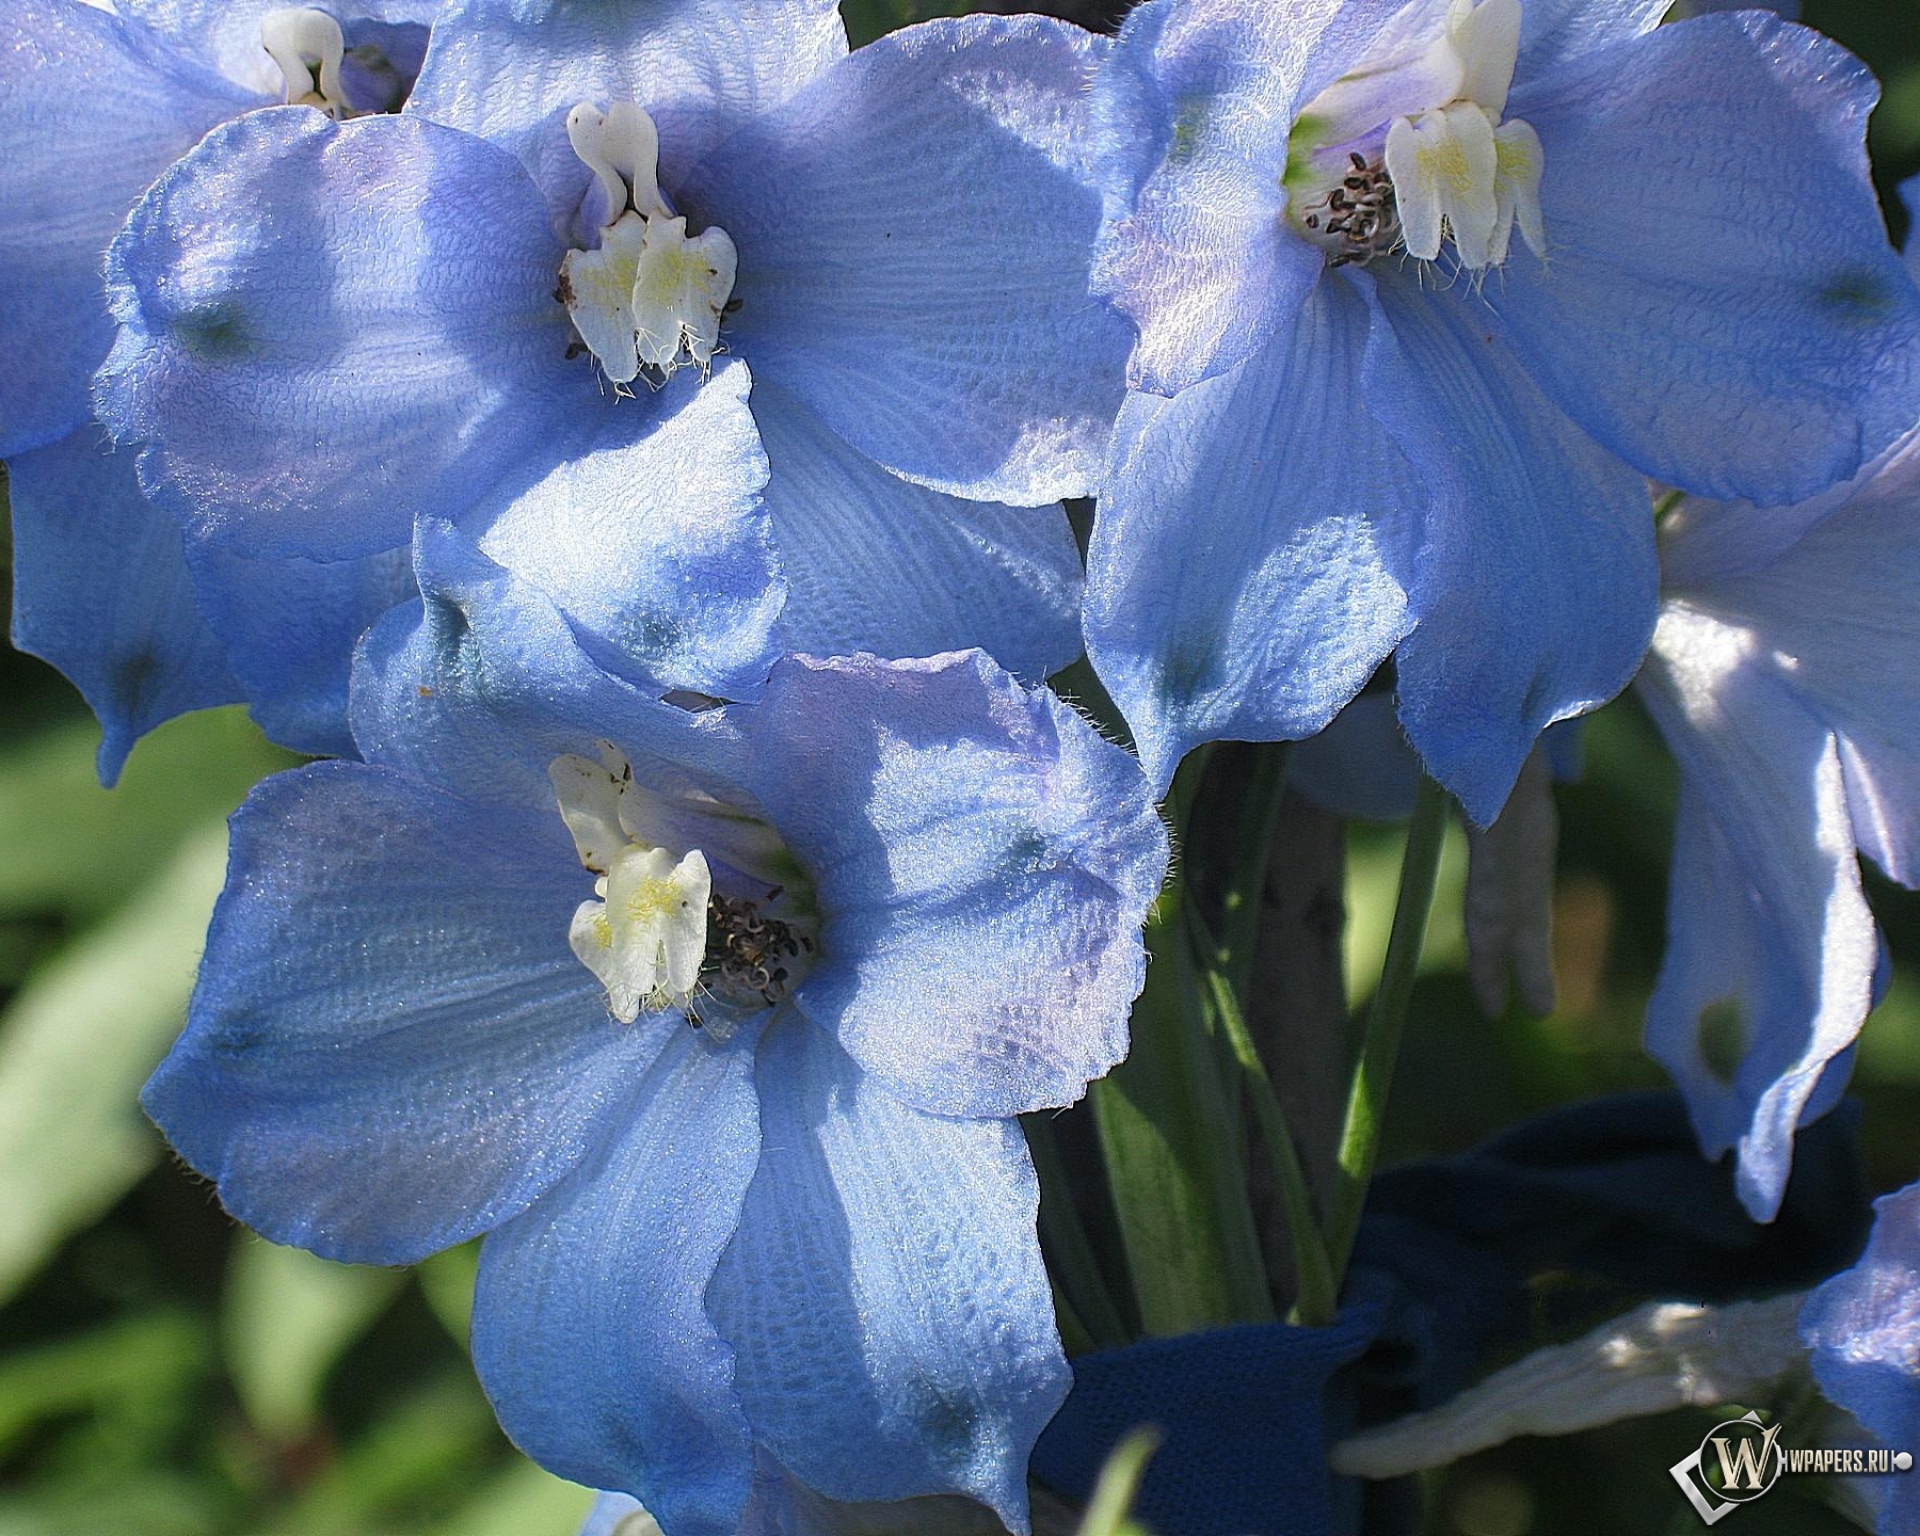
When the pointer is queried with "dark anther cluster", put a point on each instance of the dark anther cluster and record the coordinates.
(748, 953)
(1361, 212)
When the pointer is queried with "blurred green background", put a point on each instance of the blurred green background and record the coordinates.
(165, 1374)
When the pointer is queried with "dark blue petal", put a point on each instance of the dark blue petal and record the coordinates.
(651, 539)
(983, 862)
(914, 230)
(1770, 945)
(874, 563)
(1249, 567)
(96, 107)
(483, 683)
(589, 1332)
(327, 329)
(884, 1296)
(1536, 587)
(511, 70)
(391, 1047)
(1747, 332)
(1192, 116)
(290, 627)
(100, 590)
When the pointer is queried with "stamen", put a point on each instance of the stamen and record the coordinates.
(308, 47)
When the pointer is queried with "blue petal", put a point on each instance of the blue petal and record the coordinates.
(1555, 32)
(1826, 616)
(1192, 116)
(983, 861)
(483, 683)
(226, 33)
(1536, 586)
(511, 70)
(1249, 567)
(884, 1296)
(652, 541)
(392, 1047)
(877, 564)
(96, 107)
(1360, 766)
(290, 627)
(1770, 944)
(100, 590)
(329, 328)
(914, 230)
(1859, 1328)
(589, 1332)
(1750, 334)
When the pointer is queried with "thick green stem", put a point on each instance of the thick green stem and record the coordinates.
(1373, 1073)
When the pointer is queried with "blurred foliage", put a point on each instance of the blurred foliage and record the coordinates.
(164, 1374)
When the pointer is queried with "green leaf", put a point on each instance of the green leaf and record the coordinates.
(288, 1318)
(447, 1280)
(522, 1501)
(75, 1046)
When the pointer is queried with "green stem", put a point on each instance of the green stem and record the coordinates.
(1373, 1073)
(1316, 1295)
(1260, 822)
(1070, 1253)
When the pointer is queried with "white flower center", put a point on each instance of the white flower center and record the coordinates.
(646, 294)
(308, 47)
(657, 934)
(1410, 149)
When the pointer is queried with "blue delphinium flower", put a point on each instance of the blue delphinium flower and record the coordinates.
(713, 1022)
(98, 104)
(1862, 1332)
(1424, 290)
(328, 329)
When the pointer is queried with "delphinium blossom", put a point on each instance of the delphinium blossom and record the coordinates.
(99, 103)
(1424, 292)
(713, 1021)
(481, 308)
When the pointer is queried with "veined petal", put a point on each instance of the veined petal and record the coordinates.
(509, 71)
(1192, 116)
(651, 539)
(96, 107)
(875, 563)
(1554, 32)
(1770, 945)
(1827, 616)
(589, 1332)
(290, 627)
(391, 1048)
(890, 1317)
(1249, 566)
(914, 230)
(328, 328)
(983, 862)
(1536, 585)
(101, 591)
(1719, 305)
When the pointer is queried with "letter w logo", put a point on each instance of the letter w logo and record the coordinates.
(1744, 1467)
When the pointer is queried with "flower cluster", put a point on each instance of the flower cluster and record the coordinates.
(629, 443)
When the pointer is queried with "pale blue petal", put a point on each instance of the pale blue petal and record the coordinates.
(1827, 615)
(874, 563)
(884, 1296)
(1556, 32)
(101, 591)
(483, 683)
(589, 1332)
(392, 1047)
(1250, 563)
(1536, 587)
(609, 1509)
(1748, 333)
(1910, 195)
(914, 230)
(329, 328)
(96, 107)
(1192, 117)
(226, 33)
(1770, 945)
(1862, 1331)
(290, 627)
(983, 862)
(511, 70)
(651, 539)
